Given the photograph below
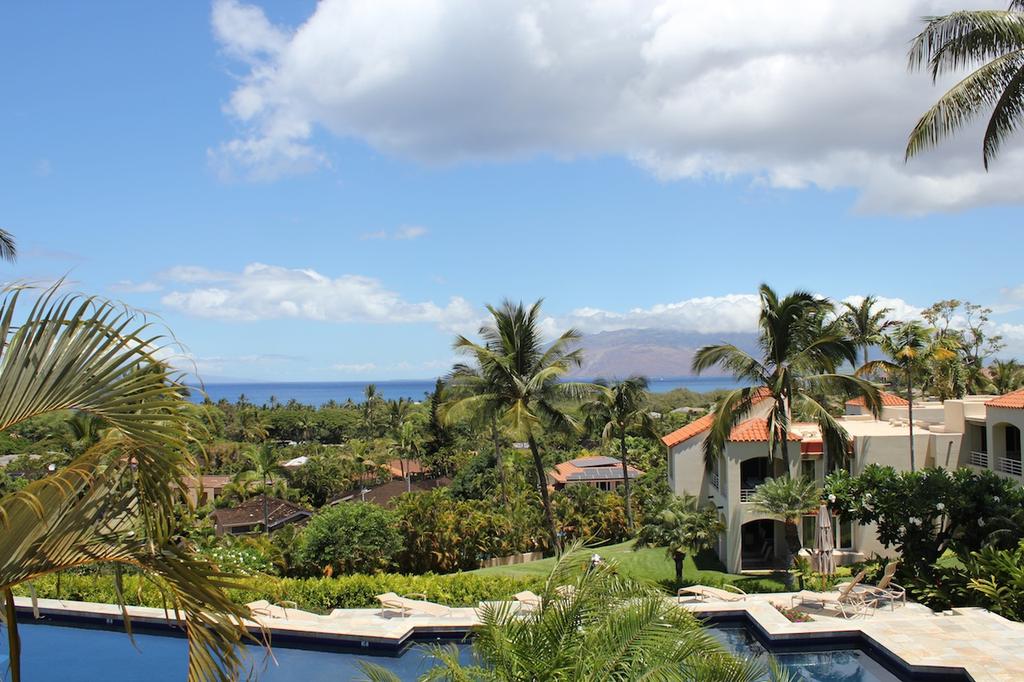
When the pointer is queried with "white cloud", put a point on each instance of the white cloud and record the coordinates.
(354, 368)
(403, 233)
(706, 314)
(262, 292)
(789, 93)
(127, 286)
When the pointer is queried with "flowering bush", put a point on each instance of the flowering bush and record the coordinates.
(794, 615)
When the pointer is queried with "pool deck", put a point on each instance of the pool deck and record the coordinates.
(988, 647)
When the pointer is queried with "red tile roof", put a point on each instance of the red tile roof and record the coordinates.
(756, 431)
(699, 426)
(888, 400)
(591, 469)
(1013, 401)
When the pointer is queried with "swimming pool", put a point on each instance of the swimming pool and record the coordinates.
(63, 653)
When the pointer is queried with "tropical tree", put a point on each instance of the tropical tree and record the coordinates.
(370, 413)
(266, 465)
(788, 500)
(616, 410)
(86, 430)
(910, 347)
(115, 504)
(408, 445)
(682, 527)
(801, 345)
(598, 626)
(1006, 375)
(865, 322)
(992, 43)
(519, 378)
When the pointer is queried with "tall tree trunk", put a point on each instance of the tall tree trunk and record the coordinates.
(910, 415)
(542, 483)
(792, 548)
(678, 557)
(499, 461)
(625, 481)
(266, 508)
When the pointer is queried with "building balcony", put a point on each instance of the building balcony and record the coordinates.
(746, 494)
(979, 459)
(1008, 465)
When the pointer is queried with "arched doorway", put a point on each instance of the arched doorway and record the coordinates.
(1006, 449)
(759, 543)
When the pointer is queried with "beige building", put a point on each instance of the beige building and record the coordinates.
(982, 432)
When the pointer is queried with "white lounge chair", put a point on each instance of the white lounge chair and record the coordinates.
(529, 600)
(278, 610)
(886, 589)
(845, 598)
(704, 593)
(405, 604)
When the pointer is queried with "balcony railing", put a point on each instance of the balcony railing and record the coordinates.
(1008, 466)
(979, 459)
(746, 494)
(715, 480)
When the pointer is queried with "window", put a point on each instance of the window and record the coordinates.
(808, 469)
(809, 526)
(844, 532)
(716, 469)
(842, 529)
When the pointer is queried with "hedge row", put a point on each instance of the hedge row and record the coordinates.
(311, 594)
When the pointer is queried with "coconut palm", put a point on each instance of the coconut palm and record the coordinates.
(520, 382)
(115, 503)
(370, 414)
(801, 345)
(910, 347)
(8, 248)
(682, 527)
(616, 410)
(408, 444)
(992, 43)
(1006, 375)
(265, 465)
(788, 500)
(599, 626)
(865, 322)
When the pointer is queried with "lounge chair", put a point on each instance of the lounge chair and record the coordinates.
(845, 598)
(529, 600)
(704, 593)
(886, 589)
(405, 604)
(278, 610)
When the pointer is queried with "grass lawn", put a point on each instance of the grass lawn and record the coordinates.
(653, 565)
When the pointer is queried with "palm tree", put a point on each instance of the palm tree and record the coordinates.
(520, 382)
(265, 466)
(788, 500)
(682, 527)
(606, 627)
(801, 346)
(616, 410)
(865, 323)
(910, 345)
(409, 442)
(992, 43)
(115, 504)
(370, 410)
(8, 248)
(1006, 375)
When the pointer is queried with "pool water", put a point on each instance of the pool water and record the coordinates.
(841, 665)
(59, 653)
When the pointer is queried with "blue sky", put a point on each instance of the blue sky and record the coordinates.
(344, 216)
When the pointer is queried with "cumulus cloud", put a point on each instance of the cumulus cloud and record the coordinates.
(262, 292)
(127, 286)
(403, 233)
(788, 93)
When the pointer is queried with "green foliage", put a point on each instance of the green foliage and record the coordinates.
(323, 477)
(682, 527)
(319, 594)
(586, 513)
(352, 537)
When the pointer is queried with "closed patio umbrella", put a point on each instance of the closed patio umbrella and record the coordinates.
(824, 544)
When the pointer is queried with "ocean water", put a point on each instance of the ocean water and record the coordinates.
(320, 392)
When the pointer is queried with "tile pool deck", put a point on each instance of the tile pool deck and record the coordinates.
(988, 647)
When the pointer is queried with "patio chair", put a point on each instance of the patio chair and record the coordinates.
(705, 593)
(278, 610)
(529, 600)
(886, 589)
(406, 604)
(846, 599)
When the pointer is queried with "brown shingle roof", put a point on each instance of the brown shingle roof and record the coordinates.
(1013, 401)
(756, 431)
(699, 426)
(383, 494)
(251, 512)
(888, 400)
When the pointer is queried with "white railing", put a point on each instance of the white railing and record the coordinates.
(746, 494)
(715, 480)
(979, 459)
(1008, 466)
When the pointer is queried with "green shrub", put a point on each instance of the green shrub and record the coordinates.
(311, 594)
(351, 537)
